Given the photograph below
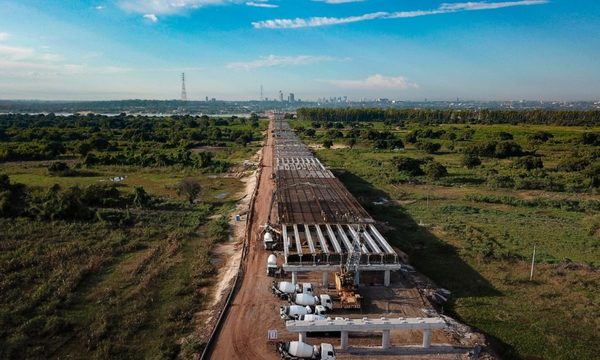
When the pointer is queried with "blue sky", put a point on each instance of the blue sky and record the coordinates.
(403, 49)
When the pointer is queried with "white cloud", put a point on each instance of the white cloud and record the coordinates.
(482, 5)
(444, 8)
(4, 36)
(100, 7)
(275, 60)
(376, 81)
(168, 6)
(151, 17)
(51, 57)
(262, 4)
(315, 21)
(14, 52)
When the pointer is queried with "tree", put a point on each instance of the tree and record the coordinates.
(189, 187)
(434, 170)
(471, 161)
(140, 197)
(327, 144)
(408, 165)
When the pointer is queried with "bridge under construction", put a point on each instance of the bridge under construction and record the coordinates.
(318, 217)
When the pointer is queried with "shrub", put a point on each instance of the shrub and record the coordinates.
(408, 165)
(190, 188)
(590, 139)
(540, 136)
(434, 170)
(528, 163)
(500, 181)
(471, 161)
(327, 144)
(502, 135)
(428, 147)
(506, 149)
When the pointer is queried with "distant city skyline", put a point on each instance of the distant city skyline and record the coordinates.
(302, 49)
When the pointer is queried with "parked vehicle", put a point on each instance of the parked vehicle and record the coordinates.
(322, 303)
(347, 291)
(304, 288)
(293, 312)
(272, 265)
(311, 317)
(283, 289)
(268, 241)
(296, 350)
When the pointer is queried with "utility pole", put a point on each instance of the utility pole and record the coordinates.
(532, 264)
(183, 91)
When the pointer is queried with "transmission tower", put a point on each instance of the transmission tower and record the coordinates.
(183, 92)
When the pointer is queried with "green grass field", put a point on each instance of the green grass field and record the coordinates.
(104, 291)
(481, 249)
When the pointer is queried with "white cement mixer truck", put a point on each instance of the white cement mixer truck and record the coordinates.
(322, 303)
(293, 312)
(297, 350)
(283, 289)
(272, 265)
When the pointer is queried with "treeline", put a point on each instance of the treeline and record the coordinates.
(451, 116)
(122, 139)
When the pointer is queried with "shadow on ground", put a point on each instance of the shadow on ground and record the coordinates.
(432, 256)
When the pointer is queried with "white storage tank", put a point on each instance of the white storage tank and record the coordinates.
(272, 260)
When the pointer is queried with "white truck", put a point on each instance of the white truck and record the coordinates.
(293, 312)
(272, 265)
(297, 350)
(304, 288)
(322, 302)
(268, 240)
(283, 289)
(311, 317)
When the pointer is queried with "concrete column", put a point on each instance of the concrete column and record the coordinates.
(386, 278)
(302, 337)
(325, 279)
(426, 338)
(294, 277)
(357, 278)
(385, 340)
(344, 340)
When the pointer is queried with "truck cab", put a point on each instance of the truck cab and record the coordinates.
(326, 302)
(305, 288)
(327, 352)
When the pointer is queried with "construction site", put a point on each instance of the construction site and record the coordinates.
(318, 278)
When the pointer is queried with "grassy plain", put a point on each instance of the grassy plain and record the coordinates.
(481, 249)
(129, 288)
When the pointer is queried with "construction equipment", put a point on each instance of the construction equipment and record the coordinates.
(272, 265)
(270, 237)
(347, 279)
(296, 350)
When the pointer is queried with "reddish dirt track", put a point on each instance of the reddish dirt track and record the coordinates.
(253, 311)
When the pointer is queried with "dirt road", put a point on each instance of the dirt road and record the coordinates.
(253, 311)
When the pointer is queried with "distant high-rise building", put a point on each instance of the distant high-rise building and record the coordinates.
(280, 95)
(207, 98)
(291, 98)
